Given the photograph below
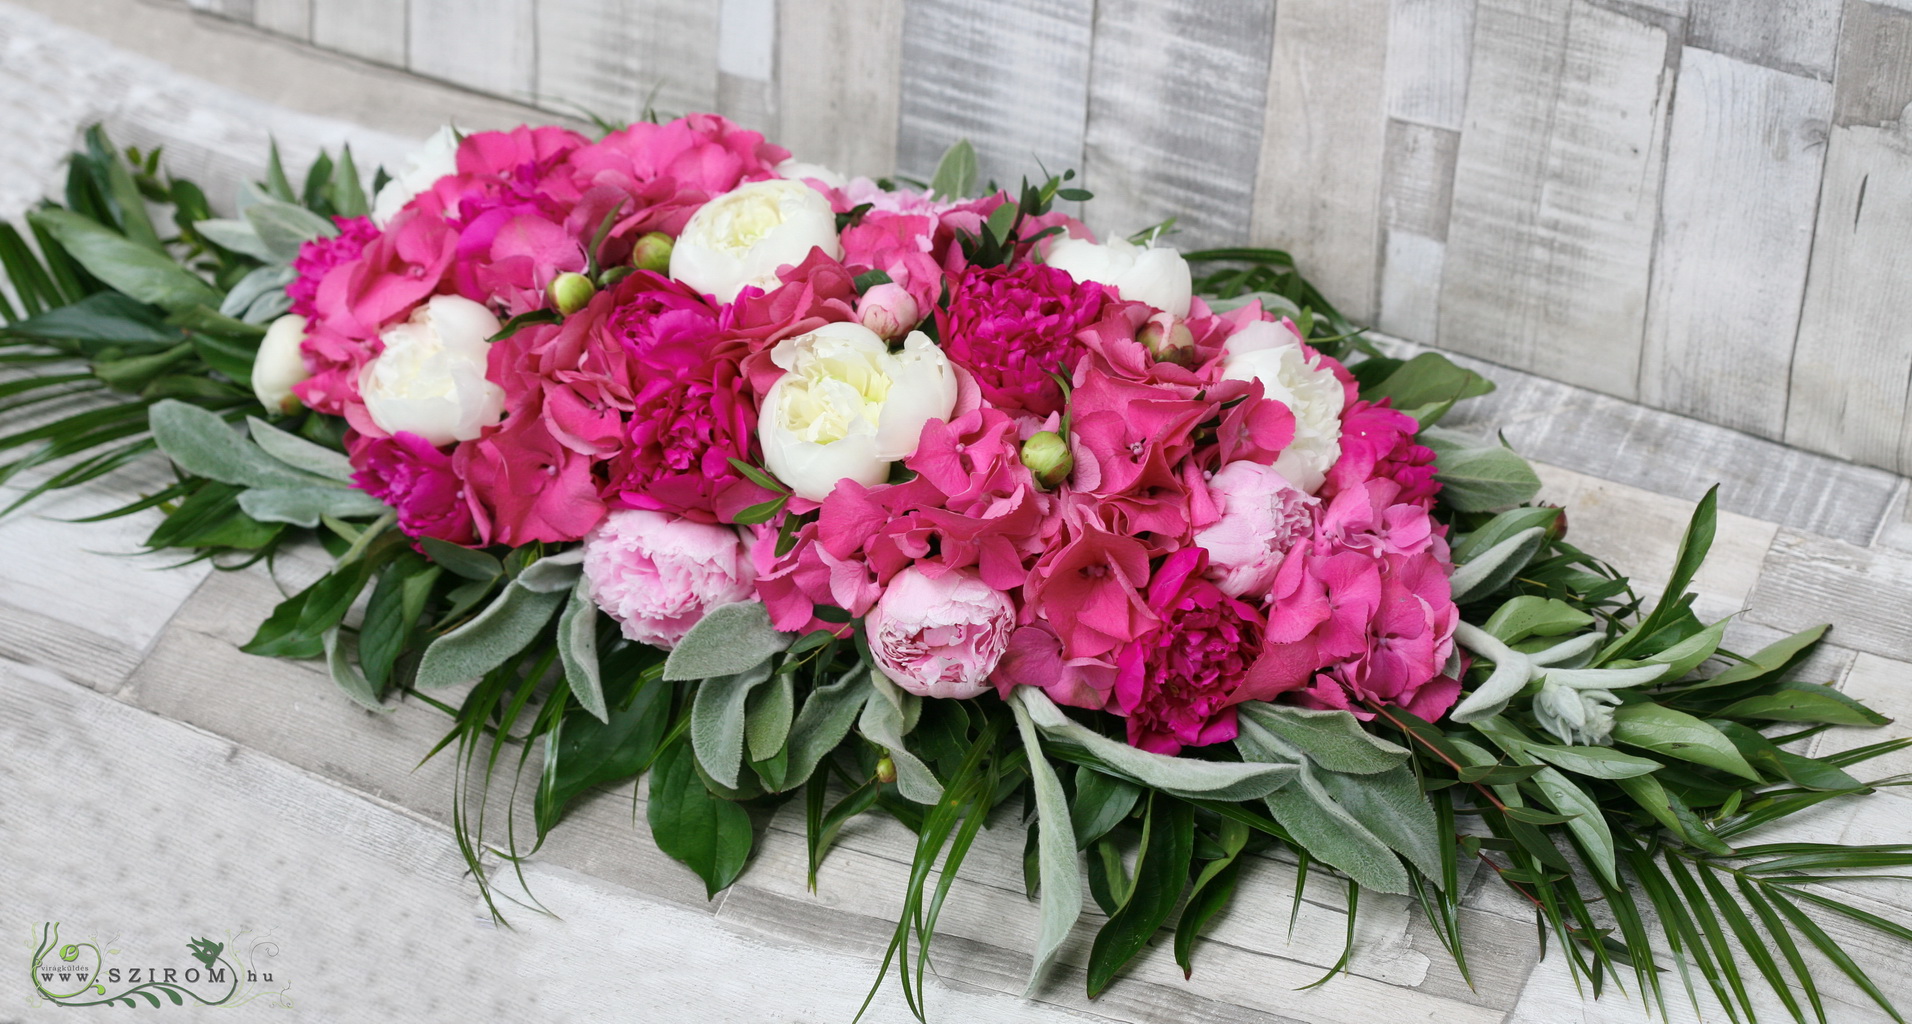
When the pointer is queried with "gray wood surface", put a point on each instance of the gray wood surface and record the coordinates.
(839, 82)
(1741, 192)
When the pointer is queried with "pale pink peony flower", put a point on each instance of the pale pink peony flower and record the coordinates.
(940, 636)
(1262, 516)
(658, 574)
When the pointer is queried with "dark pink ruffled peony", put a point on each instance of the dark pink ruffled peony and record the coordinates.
(417, 480)
(1014, 328)
(321, 256)
(1178, 684)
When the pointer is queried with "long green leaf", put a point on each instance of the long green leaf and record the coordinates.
(128, 266)
(1161, 873)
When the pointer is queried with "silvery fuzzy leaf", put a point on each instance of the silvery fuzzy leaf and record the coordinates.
(884, 722)
(553, 572)
(306, 504)
(1178, 776)
(299, 453)
(261, 283)
(827, 716)
(202, 444)
(729, 639)
(1334, 740)
(1056, 853)
(284, 227)
(577, 649)
(1320, 825)
(347, 675)
(503, 629)
(1491, 569)
(239, 236)
(717, 722)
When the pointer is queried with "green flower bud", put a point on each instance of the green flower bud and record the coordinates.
(652, 252)
(570, 292)
(1047, 456)
(885, 770)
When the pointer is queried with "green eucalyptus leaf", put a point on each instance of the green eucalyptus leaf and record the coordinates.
(956, 173)
(1056, 845)
(1319, 824)
(1678, 734)
(1161, 874)
(126, 265)
(1593, 762)
(1179, 776)
(585, 752)
(1428, 379)
(717, 721)
(1102, 801)
(239, 236)
(350, 680)
(392, 613)
(728, 640)
(462, 561)
(708, 834)
(489, 639)
(1495, 567)
(299, 453)
(577, 649)
(1768, 660)
(1479, 478)
(1586, 821)
(1503, 526)
(284, 227)
(1334, 740)
(1804, 702)
(1532, 615)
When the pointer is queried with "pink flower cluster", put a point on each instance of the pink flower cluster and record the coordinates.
(1098, 515)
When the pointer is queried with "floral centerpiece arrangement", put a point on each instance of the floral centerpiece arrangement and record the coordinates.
(669, 455)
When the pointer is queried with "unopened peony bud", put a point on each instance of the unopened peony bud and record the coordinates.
(885, 770)
(1173, 343)
(280, 364)
(1047, 456)
(889, 310)
(1558, 529)
(570, 292)
(652, 252)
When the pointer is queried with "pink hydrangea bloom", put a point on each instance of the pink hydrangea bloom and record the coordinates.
(1089, 592)
(657, 574)
(942, 635)
(524, 486)
(1034, 658)
(417, 480)
(1178, 684)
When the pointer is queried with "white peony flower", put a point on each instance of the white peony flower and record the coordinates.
(432, 161)
(280, 364)
(797, 170)
(1158, 276)
(742, 237)
(430, 380)
(848, 406)
(1271, 353)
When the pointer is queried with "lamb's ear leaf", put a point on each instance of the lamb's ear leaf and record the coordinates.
(728, 640)
(492, 636)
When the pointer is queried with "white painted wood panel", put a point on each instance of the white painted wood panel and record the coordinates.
(1175, 95)
(1796, 36)
(1323, 138)
(611, 58)
(373, 29)
(1556, 191)
(286, 17)
(488, 45)
(1430, 45)
(1009, 75)
(839, 82)
(1742, 186)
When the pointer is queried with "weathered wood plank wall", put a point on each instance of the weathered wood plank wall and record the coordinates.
(1703, 205)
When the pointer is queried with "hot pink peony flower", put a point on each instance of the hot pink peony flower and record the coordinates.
(940, 636)
(657, 574)
(1178, 684)
(417, 480)
(321, 256)
(1263, 516)
(1013, 327)
(1034, 658)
